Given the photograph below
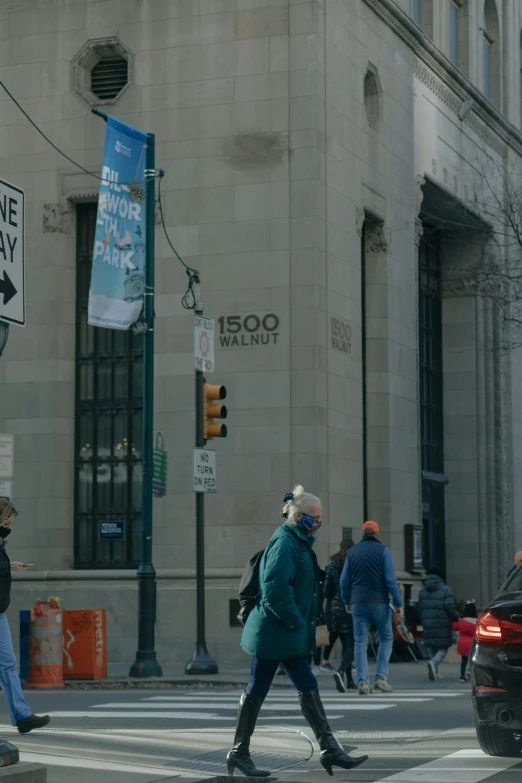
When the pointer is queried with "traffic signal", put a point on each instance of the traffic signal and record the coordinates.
(211, 428)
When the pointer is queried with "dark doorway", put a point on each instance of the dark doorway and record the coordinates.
(431, 396)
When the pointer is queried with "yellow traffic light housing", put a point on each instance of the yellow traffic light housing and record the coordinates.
(213, 429)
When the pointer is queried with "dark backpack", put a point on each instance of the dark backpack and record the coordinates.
(249, 586)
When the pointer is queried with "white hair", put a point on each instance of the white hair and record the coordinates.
(301, 503)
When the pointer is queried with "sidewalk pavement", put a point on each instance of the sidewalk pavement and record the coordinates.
(235, 675)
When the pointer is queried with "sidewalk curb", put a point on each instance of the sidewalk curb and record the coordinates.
(24, 773)
(151, 683)
(155, 684)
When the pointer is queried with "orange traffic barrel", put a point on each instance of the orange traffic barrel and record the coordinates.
(45, 646)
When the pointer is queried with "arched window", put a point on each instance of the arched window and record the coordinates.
(521, 80)
(491, 52)
(422, 14)
(458, 29)
(417, 12)
(454, 13)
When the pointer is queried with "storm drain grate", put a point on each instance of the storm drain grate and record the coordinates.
(216, 761)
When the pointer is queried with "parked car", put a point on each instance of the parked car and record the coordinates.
(496, 671)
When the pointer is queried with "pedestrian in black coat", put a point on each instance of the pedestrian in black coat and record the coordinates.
(437, 611)
(340, 622)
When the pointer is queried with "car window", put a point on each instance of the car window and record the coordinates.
(514, 582)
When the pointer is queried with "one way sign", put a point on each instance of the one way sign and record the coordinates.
(12, 279)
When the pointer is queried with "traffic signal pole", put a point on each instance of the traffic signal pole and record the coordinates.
(202, 662)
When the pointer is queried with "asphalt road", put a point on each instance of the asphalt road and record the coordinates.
(423, 732)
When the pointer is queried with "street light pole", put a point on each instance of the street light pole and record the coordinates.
(146, 664)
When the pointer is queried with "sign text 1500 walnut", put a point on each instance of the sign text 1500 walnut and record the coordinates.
(242, 331)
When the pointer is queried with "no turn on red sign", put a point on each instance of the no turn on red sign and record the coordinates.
(205, 479)
(203, 344)
(12, 277)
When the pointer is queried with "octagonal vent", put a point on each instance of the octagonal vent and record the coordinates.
(102, 71)
(109, 77)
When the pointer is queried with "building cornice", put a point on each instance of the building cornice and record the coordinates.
(462, 89)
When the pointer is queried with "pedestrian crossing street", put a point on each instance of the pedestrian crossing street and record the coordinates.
(210, 705)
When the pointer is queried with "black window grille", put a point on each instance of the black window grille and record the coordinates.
(430, 352)
(109, 407)
(109, 77)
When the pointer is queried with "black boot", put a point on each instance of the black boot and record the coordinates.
(332, 754)
(239, 756)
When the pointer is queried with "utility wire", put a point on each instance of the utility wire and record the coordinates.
(190, 297)
(53, 145)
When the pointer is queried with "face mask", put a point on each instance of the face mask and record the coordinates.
(4, 532)
(308, 523)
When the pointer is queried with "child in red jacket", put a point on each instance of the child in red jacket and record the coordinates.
(466, 626)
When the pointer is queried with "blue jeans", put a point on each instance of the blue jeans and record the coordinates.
(363, 614)
(262, 673)
(9, 679)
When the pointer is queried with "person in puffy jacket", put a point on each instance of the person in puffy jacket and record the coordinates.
(466, 627)
(340, 621)
(21, 714)
(367, 581)
(282, 628)
(436, 609)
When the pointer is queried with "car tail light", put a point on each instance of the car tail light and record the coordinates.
(511, 632)
(490, 629)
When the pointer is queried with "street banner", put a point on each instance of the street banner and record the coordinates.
(118, 262)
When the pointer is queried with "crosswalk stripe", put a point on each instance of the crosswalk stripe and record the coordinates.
(457, 768)
(171, 715)
(102, 766)
(136, 714)
(137, 705)
(330, 697)
(326, 694)
(225, 704)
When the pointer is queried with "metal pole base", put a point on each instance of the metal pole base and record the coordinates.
(202, 662)
(8, 754)
(146, 665)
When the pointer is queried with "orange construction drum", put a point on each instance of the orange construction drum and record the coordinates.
(45, 646)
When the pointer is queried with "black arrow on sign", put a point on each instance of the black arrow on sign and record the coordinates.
(7, 288)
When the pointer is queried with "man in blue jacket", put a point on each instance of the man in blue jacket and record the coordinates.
(367, 581)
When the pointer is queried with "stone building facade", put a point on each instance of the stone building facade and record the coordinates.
(324, 171)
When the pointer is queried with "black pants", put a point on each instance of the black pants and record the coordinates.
(463, 665)
(327, 650)
(262, 673)
(347, 645)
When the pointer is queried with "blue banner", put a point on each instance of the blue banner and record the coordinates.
(118, 262)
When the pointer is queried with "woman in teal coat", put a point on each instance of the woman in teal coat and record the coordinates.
(281, 628)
